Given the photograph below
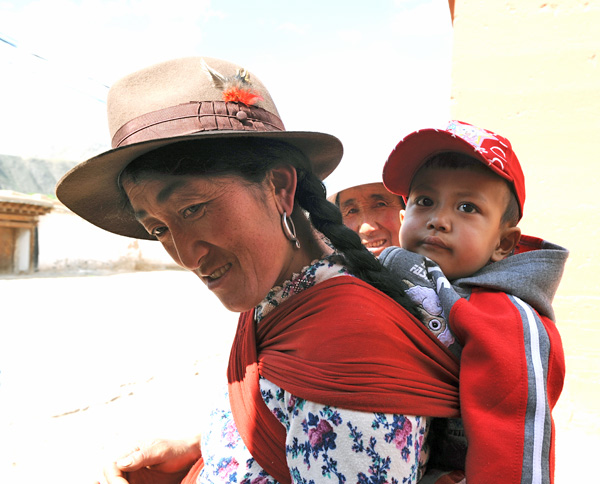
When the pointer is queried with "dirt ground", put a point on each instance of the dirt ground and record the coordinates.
(90, 365)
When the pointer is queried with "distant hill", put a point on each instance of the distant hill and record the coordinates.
(31, 175)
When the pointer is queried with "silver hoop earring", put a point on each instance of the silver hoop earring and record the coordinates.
(289, 229)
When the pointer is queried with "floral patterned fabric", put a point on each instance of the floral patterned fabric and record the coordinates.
(324, 444)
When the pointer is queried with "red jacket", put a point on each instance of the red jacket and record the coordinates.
(512, 368)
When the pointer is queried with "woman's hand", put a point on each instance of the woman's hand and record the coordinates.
(157, 462)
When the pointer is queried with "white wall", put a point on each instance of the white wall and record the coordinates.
(68, 243)
(22, 250)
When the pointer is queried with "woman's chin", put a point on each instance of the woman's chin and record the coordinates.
(235, 304)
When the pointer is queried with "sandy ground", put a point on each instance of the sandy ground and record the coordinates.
(90, 365)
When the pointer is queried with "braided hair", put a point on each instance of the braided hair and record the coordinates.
(251, 158)
(327, 219)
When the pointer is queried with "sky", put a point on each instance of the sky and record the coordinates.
(368, 72)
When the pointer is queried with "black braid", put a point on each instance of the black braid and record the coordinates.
(327, 219)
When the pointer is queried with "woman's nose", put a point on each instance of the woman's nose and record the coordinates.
(366, 228)
(367, 225)
(189, 251)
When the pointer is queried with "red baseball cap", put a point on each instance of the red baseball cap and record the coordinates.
(491, 149)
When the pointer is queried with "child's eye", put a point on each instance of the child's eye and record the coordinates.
(424, 201)
(467, 208)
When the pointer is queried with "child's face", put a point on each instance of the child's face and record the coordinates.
(453, 216)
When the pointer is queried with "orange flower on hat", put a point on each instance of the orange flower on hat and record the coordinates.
(238, 94)
(235, 89)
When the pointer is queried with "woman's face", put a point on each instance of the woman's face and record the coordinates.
(223, 229)
(374, 214)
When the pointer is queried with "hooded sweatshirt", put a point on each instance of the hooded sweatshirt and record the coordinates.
(500, 322)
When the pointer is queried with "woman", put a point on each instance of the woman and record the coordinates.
(328, 378)
(371, 211)
(367, 207)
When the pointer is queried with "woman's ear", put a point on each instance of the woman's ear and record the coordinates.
(508, 242)
(284, 179)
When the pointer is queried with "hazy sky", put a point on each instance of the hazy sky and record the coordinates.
(366, 71)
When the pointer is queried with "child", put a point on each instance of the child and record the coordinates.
(485, 291)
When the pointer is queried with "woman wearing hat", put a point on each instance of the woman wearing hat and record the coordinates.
(329, 378)
(369, 209)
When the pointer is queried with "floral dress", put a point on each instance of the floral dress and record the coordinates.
(324, 444)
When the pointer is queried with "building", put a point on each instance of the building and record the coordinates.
(19, 217)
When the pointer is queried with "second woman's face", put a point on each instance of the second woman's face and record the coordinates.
(374, 214)
(223, 229)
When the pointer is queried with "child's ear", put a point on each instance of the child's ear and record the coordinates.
(508, 241)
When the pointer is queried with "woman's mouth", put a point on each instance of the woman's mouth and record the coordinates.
(219, 272)
(376, 244)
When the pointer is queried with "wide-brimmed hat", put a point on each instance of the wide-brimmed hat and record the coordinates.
(193, 98)
(491, 149)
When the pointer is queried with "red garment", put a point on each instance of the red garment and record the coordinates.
(527, 243)
(503, 405)
(341, 343)
(512, 364)
(194, 472)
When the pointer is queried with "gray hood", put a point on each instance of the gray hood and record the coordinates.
(532, 276)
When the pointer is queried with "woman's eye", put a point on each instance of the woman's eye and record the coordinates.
(467, 208)
(192, 210)
(158, 231)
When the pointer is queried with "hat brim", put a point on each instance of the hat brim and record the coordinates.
(414, 150)
(91, 188)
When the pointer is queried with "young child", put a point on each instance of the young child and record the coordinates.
(486, 292)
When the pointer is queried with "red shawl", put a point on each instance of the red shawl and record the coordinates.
(341, 343)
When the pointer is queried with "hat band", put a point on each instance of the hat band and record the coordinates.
(196, 117)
